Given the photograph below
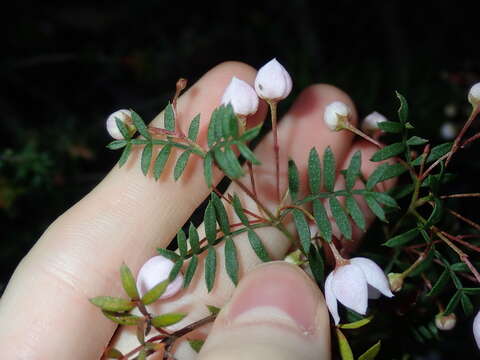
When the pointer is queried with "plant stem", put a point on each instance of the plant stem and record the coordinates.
(273, 112)
(460, 195)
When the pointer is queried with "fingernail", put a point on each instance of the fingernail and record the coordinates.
(278, 293)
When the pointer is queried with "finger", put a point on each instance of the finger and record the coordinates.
(367, 150)
(300, 130)
(276, 313)
(124, 218)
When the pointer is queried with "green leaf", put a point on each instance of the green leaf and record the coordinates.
(154, 293)
(257, 246)
(321, 219)
(471, 291)
(221, 214)
(122, 319)
(415, 140)
(314, 171)
(353, 170)
(210, 267)
(181, 164)
(371, 353)
(142, 355)
(169, 254)
(196, 344)
(435, 153)
(355, 212)
(125, 154)
(193, 238)
(293, 180)
(161, 160)
(436, 214)
(167, 319)
(194, 127)
(182, 243)
(252, 133)
(237, 206)
(207, 169)
(356, 324)
(210, 223)
(403, 110)
(113, 354)
(169, 118)
(303, 229)
(388, 151)
(191, 268)
(399, 192)
(391, 127)
(211, 135)
(229, 122)
(328, 169)
(248, 154)
(384, 172)
(231, 262)
(467, 305)
(403, 238)
(140, 125)
(128, 282)
(228, 162)
(213, 309)
(317, 265)
(117, 144)
(459, 267)
(123, 128)
(110, 303)
(375, 207)
(344, 346)
(453, 303)
(175, 270)
(146, 158)
(340, 217)
(385, 199)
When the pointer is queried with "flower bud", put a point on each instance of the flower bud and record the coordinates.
(242, 96)
(445, 322)
(476, 329)
(273, 82)
(474, 95)
(335, 115)
(124, 116)
(153, 272)
(370, 123)
(396, 281)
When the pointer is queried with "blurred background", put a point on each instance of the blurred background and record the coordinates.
(67, 65)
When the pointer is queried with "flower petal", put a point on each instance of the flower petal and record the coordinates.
(374, 275)
(476, 329)
(350, 287)
(331, 299)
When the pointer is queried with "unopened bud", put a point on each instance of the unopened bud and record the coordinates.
(474, 95)
(445, 322)
(241, 96)
(335, 115)
(370, 123)
(476, 329)
(125, 116)
(153, 272)
(396, 281)
(273, 82)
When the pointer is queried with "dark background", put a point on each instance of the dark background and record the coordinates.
(67, 65)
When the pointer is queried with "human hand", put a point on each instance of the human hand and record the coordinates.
(45, 310)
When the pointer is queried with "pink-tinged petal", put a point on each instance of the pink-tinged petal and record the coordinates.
(350, 287)
(373, 293)
(331, 299)
(374, 275)
(476, 329)
(153, 272)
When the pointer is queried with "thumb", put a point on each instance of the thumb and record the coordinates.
(276, 312)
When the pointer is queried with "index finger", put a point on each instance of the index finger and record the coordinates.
(45, 308)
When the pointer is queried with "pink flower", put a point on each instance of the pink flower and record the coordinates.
(242, 96)
(153, 272)
(349, 284)
(273, 82)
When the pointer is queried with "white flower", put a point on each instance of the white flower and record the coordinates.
(335, 114)
(370, 123)
(112, 128)
(242, 96)
(273, 82)
(448, 131)
(153, 272)
(476, 329)
(474, 94)
(350, 284)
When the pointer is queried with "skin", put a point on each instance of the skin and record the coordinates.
(45, 310)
